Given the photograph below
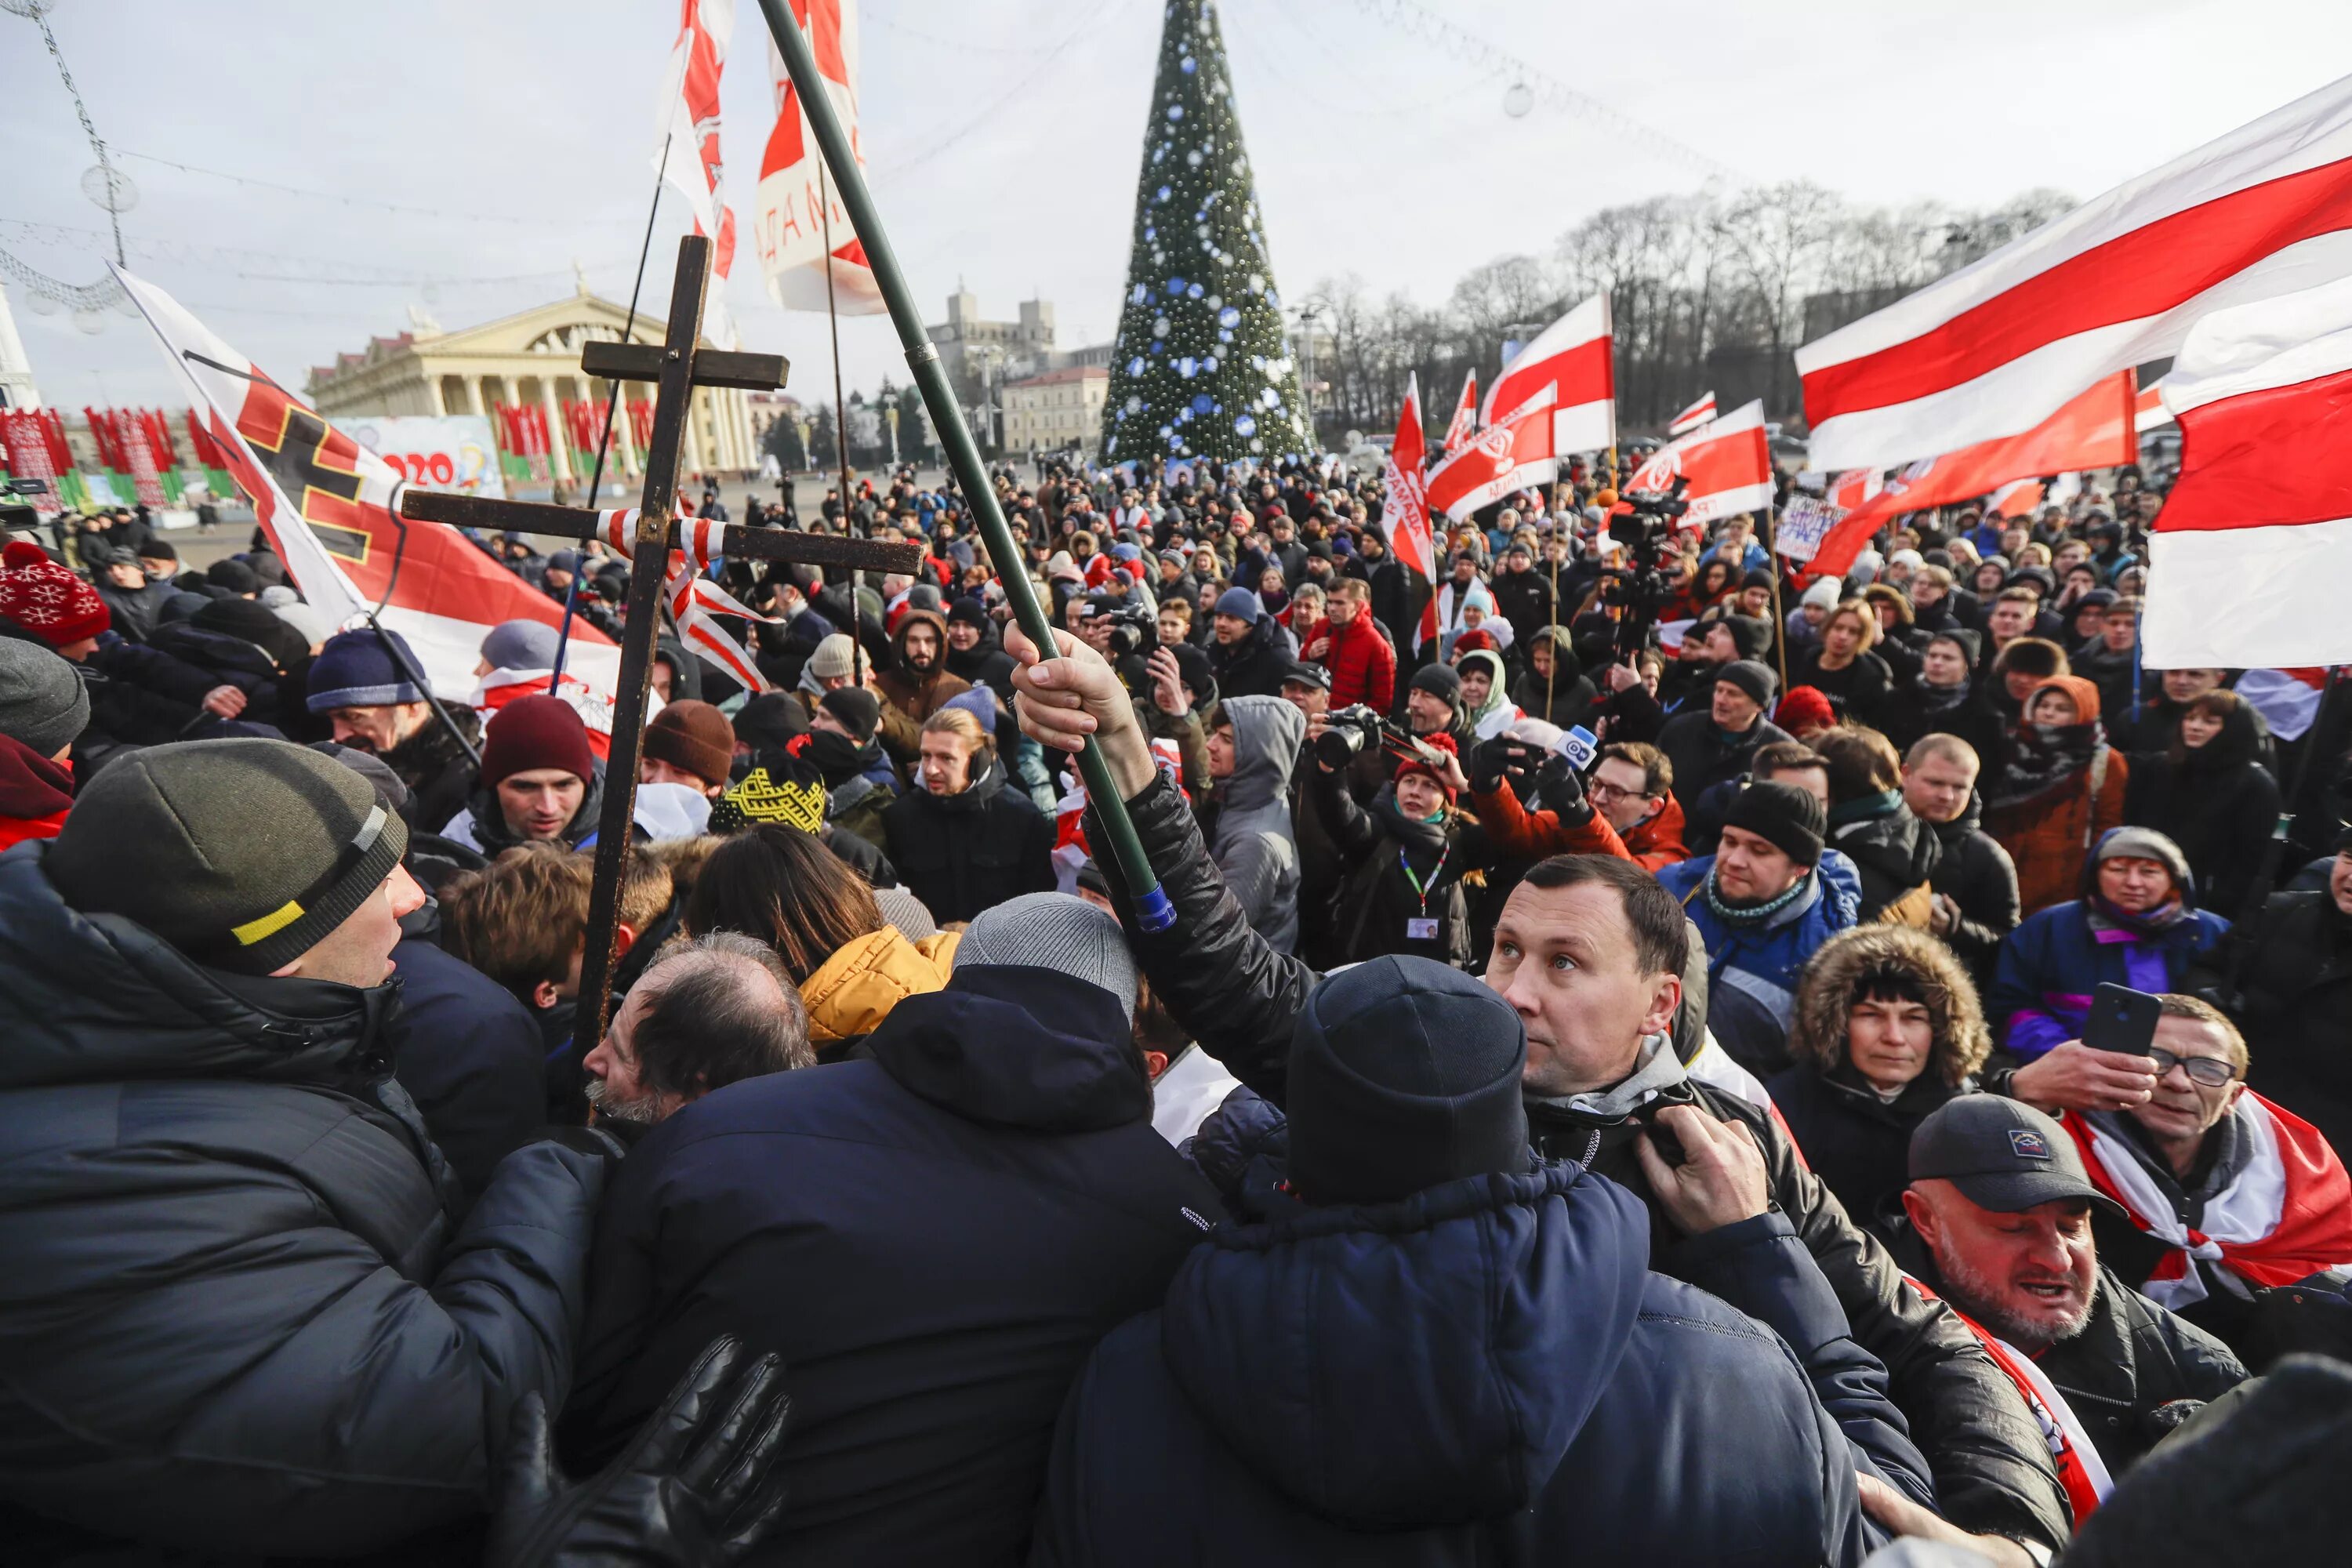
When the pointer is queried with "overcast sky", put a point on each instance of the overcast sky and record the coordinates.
(1002, 139)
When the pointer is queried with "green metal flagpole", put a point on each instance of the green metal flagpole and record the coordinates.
(1152, 911)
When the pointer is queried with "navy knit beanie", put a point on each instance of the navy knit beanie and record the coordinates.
(354, 671)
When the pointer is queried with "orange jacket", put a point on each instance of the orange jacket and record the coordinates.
(1531, 836)
(2048, 835)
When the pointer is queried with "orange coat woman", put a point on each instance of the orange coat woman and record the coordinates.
(2060, 787)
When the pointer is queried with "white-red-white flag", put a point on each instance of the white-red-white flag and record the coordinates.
(327, 504)
(1404, 504)
(1464, 423)
(1568, 362)
(1849, 489)
(1998, 346)
(791, 209)
(2151, 414)
(1500, 459)
(2019, 497)
(1727, 461)
(685, 146)
(2251, 562)
(1691, 418)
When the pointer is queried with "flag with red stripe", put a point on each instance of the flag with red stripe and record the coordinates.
(2150, 414)
(2091, 430)
(1464, 423)
(1404, 503)
(329, 507)
(1500, 459)
(1999, 346)
(1568, 362)
(2251, 558)
(686, 152)
(794, 203)
(1726, 460)
(1691, 418)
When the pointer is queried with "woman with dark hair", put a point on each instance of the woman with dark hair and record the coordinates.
(1887, 1029)
(1714, 583)
(781, 886)
(2208, 794)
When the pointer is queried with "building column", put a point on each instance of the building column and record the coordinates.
(558, 457)
(433, 395)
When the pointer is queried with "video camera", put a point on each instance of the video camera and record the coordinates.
(1642, 587)
(1348, 732)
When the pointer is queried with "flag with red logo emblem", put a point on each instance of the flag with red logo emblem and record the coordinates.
(1727, 461)
(686, 153)
(1567, 363)
(1404, 504)
(1499, 459)
(793, 205)
(329, 507)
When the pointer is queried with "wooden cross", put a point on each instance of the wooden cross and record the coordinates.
(679, 365)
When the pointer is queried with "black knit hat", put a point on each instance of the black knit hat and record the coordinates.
(1404, 1074)
(1751, 636)
(856, 709)
(1440, 682)
(242, 854)
(1755, 679)
(1790, 819)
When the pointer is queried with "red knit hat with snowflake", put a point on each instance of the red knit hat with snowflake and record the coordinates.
(48, 600)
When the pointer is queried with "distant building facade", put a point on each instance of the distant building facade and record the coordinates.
(1055, 411)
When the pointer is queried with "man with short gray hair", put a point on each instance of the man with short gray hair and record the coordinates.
(705, 1014)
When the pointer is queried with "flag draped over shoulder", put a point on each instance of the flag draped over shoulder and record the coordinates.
(330, 508)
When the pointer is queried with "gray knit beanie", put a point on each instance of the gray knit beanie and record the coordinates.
(1054, 930)
(241, 853)
(43, 702)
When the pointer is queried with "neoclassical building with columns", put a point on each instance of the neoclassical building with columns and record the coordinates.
(530, 358)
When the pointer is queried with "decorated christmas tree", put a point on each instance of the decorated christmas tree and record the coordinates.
(1201, 368)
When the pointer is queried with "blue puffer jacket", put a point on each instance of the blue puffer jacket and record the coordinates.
(1751, 972)
(1486, 1372)
(2050, 967)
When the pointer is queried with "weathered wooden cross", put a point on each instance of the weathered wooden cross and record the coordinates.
(678, 366)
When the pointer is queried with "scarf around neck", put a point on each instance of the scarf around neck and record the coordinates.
(1866, 808)
(2044, 756)
(2106, 916)
(1748, 916)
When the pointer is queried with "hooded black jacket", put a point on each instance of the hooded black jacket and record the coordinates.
(1894, 850)
(1241, 1001)
(2293, 1000)
(961, 853)
(2218, 802)
(1253, 665)
(238, 1319)
(933, 1239)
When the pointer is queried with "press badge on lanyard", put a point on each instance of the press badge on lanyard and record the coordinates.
(1422, 927)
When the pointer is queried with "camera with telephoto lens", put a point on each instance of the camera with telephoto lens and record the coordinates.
(1641, 587)
(1134, 632)
(1348, 732)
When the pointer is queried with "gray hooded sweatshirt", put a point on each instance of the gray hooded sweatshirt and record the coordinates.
(1253, 844)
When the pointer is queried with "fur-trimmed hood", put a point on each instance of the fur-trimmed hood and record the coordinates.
(1818, 1033)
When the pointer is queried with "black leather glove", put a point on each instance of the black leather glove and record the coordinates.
(1560, 789)
(691, 1490)
(1489, 760)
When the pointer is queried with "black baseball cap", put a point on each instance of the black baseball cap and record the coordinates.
(2002, 1155)
(1302, 672)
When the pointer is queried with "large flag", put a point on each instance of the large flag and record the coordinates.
(1464, 423)
(2019, 497)
(1691, 418)
(1999, 345)
(1568, 363)
(1404, 504)
(790, 212)
(2251, 558)
(2091, 430)
(1500, 459)
(1727, 462)
(686, 151)
(327, 504)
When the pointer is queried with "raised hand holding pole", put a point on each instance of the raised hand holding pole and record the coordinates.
(1153, 911)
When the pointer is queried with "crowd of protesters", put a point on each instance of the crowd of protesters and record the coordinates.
(1615, 1086)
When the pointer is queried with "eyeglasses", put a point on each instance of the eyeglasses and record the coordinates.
(2213, 1072)
(1602, 790)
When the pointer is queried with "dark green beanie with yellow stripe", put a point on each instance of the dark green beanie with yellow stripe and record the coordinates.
(242, 854)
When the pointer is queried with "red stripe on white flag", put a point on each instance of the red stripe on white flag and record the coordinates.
(1502, 459)
(2252, 559)
(2001, 344)
(2151, 414)
(1464, 423)
(1404, 500)
(1569, 363)
(791, 209)
(1727, 462)
(1691, 418)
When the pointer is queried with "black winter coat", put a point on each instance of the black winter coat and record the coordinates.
(1859, 692)
(155, 691)
(239, 1319)
(2294, 1001)
(1242, 1000)
(439, 774)
(2130, 1358)
(1253, 665)
(1916, 713)
(1859, 1145)
(1376, 901)
(1289, 1403)
(1704, 757)
(468, 1054)
(2217, 802)
(963, 853)
(934, 1240)
(1976, 873)
(1894, 852)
